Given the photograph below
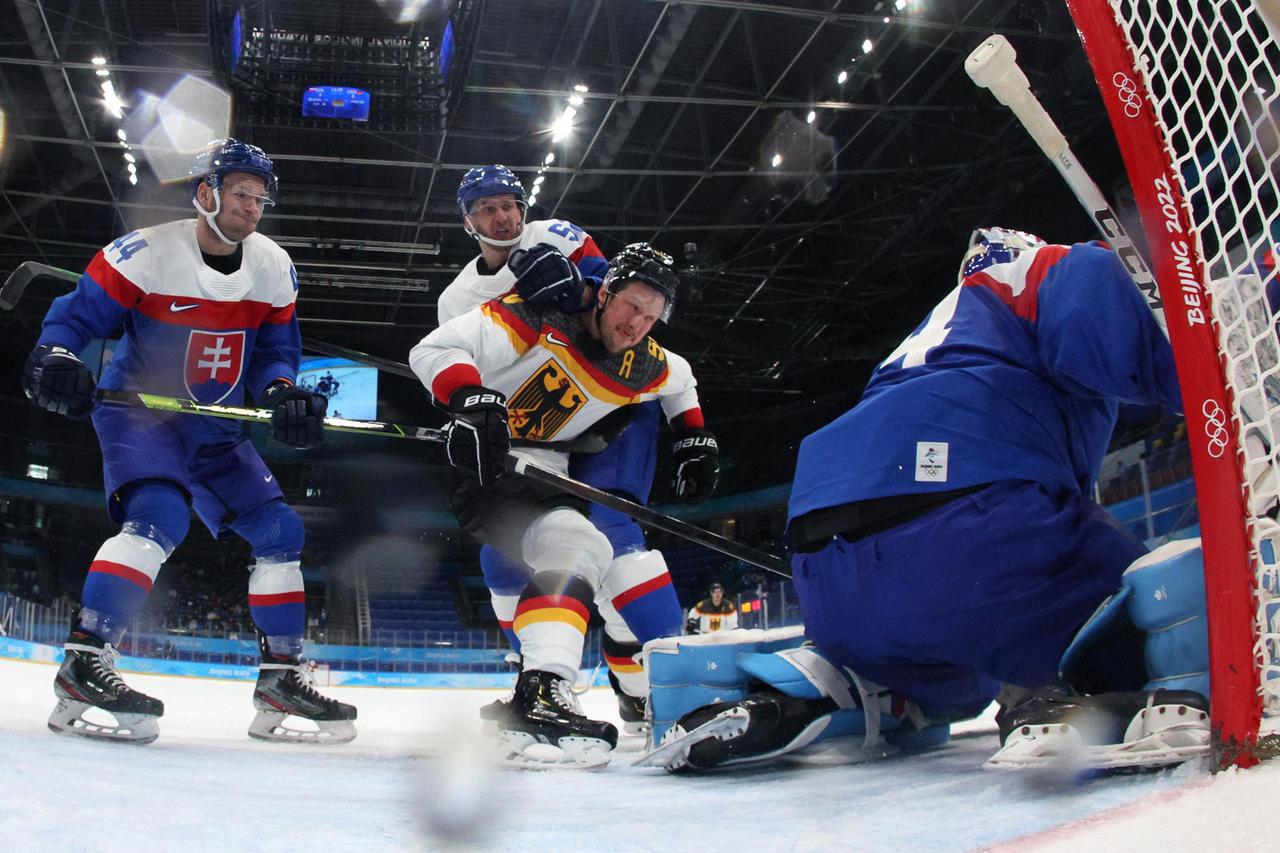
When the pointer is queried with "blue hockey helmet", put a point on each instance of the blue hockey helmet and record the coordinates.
(989, 246)
(484, 181)
(223, 156)
(642, 262)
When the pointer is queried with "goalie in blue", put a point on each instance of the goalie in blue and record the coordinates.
(947, 549)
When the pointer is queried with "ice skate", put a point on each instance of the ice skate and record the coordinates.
(760, 727)
(284, 691)
(494, 711)
(1108, 731)
(631, 709)
(543, 727)
(87, 682)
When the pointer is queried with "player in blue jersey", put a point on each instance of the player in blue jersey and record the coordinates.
(207, 309)
(945, 541)
(554, 262)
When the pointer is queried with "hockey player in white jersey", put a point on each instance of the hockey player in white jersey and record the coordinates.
(556, 262)
(511, 368)
(207, 306)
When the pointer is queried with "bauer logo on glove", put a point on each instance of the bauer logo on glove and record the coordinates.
(695, 461)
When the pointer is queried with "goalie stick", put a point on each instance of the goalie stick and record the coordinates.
(993, 65)
(642, 514)
(27, 271)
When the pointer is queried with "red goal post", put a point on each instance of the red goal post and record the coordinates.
(1190, 87)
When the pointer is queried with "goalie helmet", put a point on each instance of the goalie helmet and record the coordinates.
(641, 262)
(990, 246)
(224, 156)
(484, 181)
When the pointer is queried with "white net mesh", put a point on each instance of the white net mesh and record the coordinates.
(1213, 69)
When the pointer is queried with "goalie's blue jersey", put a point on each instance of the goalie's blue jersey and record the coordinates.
(1018, 374)
(189, 330)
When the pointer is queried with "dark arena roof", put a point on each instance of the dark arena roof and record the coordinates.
(814, 166)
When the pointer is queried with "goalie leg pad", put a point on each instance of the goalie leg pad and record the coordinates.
(1162, 594)
(686, 673)
(864, 707)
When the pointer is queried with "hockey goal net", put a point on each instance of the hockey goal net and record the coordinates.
(1190, 87)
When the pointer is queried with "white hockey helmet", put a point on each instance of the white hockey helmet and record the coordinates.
(988, 246)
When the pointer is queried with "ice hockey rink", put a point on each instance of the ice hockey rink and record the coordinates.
(416, 779)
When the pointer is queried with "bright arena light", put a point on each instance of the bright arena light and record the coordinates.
(867, 45)
(564, 125)
(776, 161)
(549, 159)
(842, 77)
(811, 117)
(111, 100)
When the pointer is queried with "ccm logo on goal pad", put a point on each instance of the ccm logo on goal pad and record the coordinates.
(695, 441)
(1127, 90)
(1215, 427)
(478, 399)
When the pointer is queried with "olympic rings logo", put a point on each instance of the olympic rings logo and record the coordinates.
(1215, 428)
(1128, 92)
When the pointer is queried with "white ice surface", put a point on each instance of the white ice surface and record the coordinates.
(415, 779)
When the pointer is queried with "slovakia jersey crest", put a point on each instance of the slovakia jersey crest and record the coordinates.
(215, 361)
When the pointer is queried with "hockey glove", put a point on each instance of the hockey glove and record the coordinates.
(297, 415)
(546, 277)
(56, 381)
(477, 438)
(695, 464)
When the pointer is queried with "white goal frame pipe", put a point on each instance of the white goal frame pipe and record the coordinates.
(994, 65)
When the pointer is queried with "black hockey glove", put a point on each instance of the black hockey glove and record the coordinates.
(546, 277)
(477, 438)
(695, 465)
(297, 415)
(56, 381)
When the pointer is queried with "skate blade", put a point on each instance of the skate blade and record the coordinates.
(523, 751)
(271, 725)
(1060, 747)
(68, 719)
(673, 751)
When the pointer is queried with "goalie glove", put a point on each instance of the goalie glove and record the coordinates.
(546, 277)
(297, 415)
(476, 439)
(56, 381)
(695, 465)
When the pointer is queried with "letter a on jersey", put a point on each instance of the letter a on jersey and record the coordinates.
(215, 361)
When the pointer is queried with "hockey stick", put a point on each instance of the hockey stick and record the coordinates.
(657, 520)
(16, 284)
(993, 65)
(589, 442)
(642, 514)
(159, 403)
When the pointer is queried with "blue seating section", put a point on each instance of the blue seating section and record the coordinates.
(429, 607)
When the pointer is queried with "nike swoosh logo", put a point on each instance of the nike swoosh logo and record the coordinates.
(268, 479)
(552, 339)
(175, 307)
